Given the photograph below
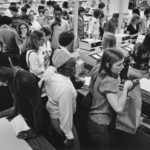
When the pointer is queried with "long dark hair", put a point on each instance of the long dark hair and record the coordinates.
(19, 28)
(141, 51)
(110, 56)
(33, 40)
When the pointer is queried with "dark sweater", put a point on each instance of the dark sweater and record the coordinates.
(27, 98)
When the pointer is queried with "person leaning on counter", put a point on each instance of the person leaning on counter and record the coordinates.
(26, 96)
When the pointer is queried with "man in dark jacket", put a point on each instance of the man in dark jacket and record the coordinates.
(26, 96)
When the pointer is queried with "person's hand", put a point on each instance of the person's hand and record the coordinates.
(128, 85)
(27, 134)
(69, 143)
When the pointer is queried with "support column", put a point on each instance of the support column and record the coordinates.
(75, 27)
(120, 16)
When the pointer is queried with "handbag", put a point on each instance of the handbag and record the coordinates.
(129, 119)
(87, 100)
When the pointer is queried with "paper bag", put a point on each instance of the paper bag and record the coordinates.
(129, 119)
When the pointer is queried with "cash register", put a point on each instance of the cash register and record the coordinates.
(90, 51)
(122, 39)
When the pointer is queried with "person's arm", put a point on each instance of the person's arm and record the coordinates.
(118, 103)
(90, 28)
(66, 112)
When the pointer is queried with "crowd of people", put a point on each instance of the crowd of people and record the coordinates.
(38, 66)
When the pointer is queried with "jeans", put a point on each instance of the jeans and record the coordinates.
(99, 135)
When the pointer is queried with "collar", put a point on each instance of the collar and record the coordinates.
(63, 48)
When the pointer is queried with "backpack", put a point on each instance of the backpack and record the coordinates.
(23, 61)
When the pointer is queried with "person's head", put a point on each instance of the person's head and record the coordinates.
(13, 4)
(4, 63)
(97, 13)
(40, 8)
(24, 10)
(43, 2)
(147, 12)
(111, 63)
(36, 39)
(5, 20)
(65, 4)
(81, 11)
(64, 62)
(101, 5)
(46, 12)
(66, 39)
(65, 15)
(23, 28)
(27, 6)
(49, 3)
(135, 19)
(55, 5)
(109, 41)
(13, 10)
(32, 15)
(136, 11)
(115, 17)
(47, 32)
(41, 12)
(57, 13)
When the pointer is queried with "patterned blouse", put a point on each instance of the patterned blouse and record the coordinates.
(101, 111)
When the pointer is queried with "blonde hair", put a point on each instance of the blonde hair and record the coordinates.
(108, 41)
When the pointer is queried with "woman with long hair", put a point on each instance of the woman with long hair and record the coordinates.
(106, 102)
(23, 36)
(133, 28)
(34, 57)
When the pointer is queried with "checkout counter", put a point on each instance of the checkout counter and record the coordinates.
(140, 140)
(91, 51)
(90, 55)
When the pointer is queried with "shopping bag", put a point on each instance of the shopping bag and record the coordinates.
(129, 119)
(87, 100)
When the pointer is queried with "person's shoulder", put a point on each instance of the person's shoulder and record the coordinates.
(109, 84)
(26, 77)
